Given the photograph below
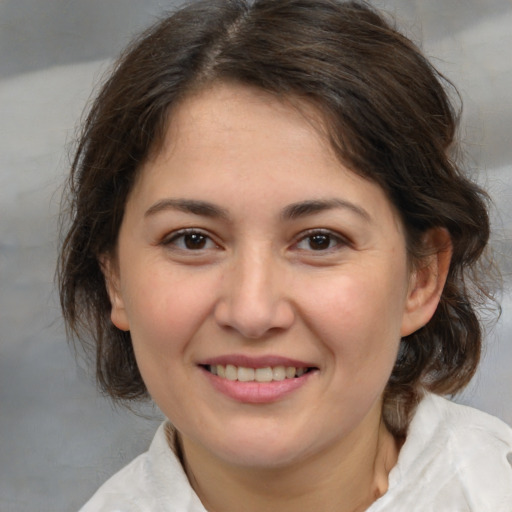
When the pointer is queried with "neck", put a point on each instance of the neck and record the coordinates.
(347, 477)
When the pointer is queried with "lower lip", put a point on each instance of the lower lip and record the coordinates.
(257, 392)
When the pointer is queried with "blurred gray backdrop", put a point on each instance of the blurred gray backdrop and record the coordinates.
(59, 439)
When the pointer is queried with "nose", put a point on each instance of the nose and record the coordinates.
(253, 299)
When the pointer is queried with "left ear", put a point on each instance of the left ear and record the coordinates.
(427, 280)
(110, 269)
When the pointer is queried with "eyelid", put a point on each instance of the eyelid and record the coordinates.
(342, 241)
(170, 239)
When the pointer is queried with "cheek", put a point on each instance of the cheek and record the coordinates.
(165, 311)
(358, 318)
(165, 315)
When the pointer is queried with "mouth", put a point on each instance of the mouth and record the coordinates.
(264, 374)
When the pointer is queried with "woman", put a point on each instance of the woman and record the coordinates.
(270, 238)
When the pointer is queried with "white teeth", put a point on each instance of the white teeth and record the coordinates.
(245, 374)
(263, 375)
(231, 372)
(267, 374)
(290, 372)
(279, 373)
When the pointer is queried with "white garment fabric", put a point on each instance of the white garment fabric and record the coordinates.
(455, 459)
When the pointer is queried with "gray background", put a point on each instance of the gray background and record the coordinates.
(59, 438)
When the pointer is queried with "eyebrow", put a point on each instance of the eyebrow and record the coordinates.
(310, 207)
(290, 212)
(193, 206)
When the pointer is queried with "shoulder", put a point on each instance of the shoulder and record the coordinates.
(455, 458)
(441, 417)
(466, 434)
(123, 492)
(154, 480)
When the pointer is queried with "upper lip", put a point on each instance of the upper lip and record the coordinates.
(255, 362)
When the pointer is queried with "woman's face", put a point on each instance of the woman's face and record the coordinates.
(265, 285)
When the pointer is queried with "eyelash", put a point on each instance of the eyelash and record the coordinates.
(178, 240)
(339, 241)
(173, 238)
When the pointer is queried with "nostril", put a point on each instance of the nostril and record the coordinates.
(252, 318)
(509, 458)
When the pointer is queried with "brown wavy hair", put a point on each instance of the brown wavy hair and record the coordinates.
(388, 117)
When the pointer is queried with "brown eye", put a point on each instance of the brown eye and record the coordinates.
(319, 242)
(195, 241)
(190, 241)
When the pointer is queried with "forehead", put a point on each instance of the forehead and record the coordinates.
(263, 144)
(236, 128)
(227, 112)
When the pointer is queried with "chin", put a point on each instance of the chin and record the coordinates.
(264, 448)
(265, 456)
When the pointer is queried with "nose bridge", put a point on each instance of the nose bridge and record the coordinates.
(254, 299)
(254, 280)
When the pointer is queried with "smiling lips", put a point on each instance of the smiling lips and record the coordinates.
(257, 381)
(266, 374)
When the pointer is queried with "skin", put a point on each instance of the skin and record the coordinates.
(327, 283)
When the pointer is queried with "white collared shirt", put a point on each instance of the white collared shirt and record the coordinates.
(455, 459)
